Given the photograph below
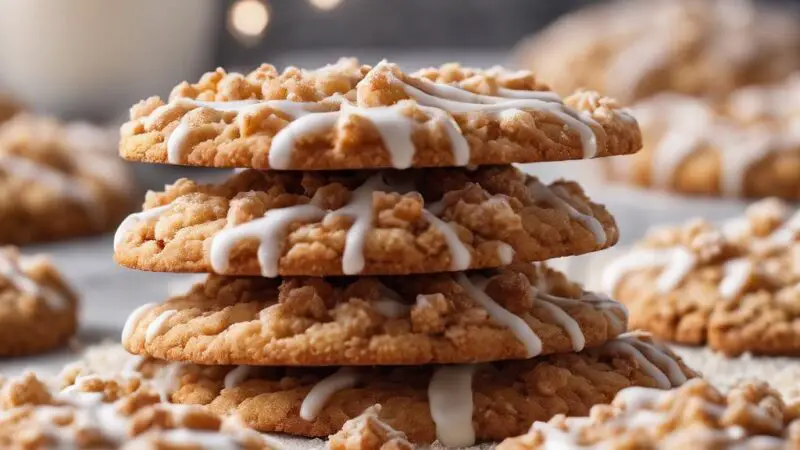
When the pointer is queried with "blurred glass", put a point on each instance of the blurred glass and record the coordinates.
(94, 58)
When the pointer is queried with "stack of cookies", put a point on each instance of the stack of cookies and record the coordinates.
(379, 248)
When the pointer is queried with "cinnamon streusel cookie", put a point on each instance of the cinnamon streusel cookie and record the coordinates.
(746, 146)
(517, 312)
(368, 432)
(631, 49)
(352, 116)
(694, 416)
(38, 310)
(56, 183)
(389, 222)
(107, 414)
(734, 286)
(456, 404)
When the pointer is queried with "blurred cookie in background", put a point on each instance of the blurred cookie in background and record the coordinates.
(746, 145)
(59, 180)
(38, 310)
(9, 107)
(734, 287)
(634, 49)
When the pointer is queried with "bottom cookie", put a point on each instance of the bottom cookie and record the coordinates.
(457, 405)
(38, 311)
(695, 416)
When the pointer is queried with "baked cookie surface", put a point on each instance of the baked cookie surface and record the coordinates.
(38, 310)
(745, 146)
(456, 404)
(107, 414)
(632, 50)
(334, 223)
(733, 286)
(696, 416)
(58, 181)
(517, 312)
(352, 116)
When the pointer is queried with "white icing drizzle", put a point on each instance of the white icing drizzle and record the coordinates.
(134, 318)
(396, 129)
(554, 305)
(89, 412)
(360, 208)
(315, 401)
(71, 188)
(167, 380)
(269, 230)
(456, 100)
(157, 326)
(475, 288)
(659, 358)
(690, 125)
(639, 407)
(506, 253)
(460, 257)
(390, 304)
(736, 273)
(451, 404)
(625, 348)
(132, 220)
(654, 361)
(11, 270)
(676, 261)
(560, 199)
(236, 376)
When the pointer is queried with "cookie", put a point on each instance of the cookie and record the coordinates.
(57, 183)
(368, 432)
(735, 287)
(746, 146)
(9, 107)
(38, 310)
(696, 416)
(104, 414)
(352, 116)
(368, 223)
(516, 312)
(632, 50)
(455, 404)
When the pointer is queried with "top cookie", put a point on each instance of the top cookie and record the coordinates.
(352, 116)
(745, 146)
(59, 180)
(693, 416)
(632, 49)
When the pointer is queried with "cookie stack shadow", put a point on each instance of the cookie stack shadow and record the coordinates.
(378, 247)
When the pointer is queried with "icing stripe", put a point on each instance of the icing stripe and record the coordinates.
(523, 332)
(737, 272)
(132, 220)
(158, 325)
(269, 230)
(11, 270)
(625, 348)
(236, 376)
(134, 318)
(315, 401)
(451, 404)
(557, 198)
(676, 261)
